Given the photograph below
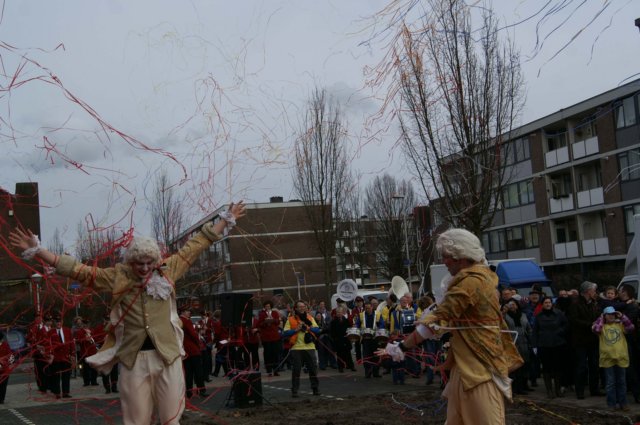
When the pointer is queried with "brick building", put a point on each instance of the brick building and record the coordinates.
(21, 208)
(272, 252)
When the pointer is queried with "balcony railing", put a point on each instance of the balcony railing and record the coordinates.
(590, 197)
(566, 250)
(585, 147)
(557, 156)
(599, 246)
(563, 203)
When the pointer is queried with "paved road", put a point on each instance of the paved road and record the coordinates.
(24, 405)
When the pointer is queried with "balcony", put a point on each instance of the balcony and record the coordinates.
(565, 250)
(586, 198)
(557, 156)
(562, 203)
(591, 247)
(585, 147)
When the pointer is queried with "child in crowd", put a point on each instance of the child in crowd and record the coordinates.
(614, 355)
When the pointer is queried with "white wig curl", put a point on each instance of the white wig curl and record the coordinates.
(461, 244)
(141, 247)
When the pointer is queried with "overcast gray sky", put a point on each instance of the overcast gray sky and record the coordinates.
(213, 92)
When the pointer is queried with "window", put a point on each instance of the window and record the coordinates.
(629, 212)
(522, 150)
(531, 236)
(626, 113)
(515, 240)
(522, 237)
(585, 130)
(556, 140)
(561, 185)
(494, 241)
(526, 192)
(516, 151)
(518, 194)
(629, 165)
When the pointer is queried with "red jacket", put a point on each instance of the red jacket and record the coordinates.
(84, 338)
(63, 352)
(220, 333)
(6, 359)
(191, 339)
(38, 338)
(269, 327)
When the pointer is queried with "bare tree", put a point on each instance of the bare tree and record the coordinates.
(56, 245)
(460, 91)
(167, 216)
(388, 203)
(101, 246)
(321, 178)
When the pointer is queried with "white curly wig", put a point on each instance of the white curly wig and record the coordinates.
(141, 247)
(461, 244)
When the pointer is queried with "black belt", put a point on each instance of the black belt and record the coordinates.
(147, 345)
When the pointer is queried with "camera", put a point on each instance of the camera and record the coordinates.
(303, 327)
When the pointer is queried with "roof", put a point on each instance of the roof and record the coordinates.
(519, 273)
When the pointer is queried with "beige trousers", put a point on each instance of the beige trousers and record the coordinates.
(483, 404)
(152, 383)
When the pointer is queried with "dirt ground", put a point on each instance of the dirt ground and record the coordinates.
(414, 407)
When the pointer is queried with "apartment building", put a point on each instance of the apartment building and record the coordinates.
(574, 187)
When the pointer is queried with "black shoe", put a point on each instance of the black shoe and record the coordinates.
(204, 394)
(316, 391)
(294, 394)
(377, 376)
(207, 380)
(94, 384)
(597, 394)
(276, 374)
(114, 390)
(580, 396)
(66, 396)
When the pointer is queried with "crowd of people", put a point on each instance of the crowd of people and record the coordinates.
(484, 342)
(581, 340)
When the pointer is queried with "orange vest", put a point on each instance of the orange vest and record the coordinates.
(293, 323)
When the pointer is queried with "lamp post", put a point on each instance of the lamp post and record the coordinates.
(400, 196)
(36, 278)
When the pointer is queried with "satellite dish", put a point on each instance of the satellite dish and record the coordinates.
(347, 290)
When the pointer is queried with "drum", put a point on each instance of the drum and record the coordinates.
(353, 334)
(382, 335)
(368, 333)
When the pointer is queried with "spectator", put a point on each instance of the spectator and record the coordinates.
(269, 325)
(6, 363)
(192, 361)
(627, 295)
(549, 340)
(582, 313)
(517, 322)
(614, 355)
(338, 331)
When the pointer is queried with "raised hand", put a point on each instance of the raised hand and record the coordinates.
(238, 210)
(22, 240)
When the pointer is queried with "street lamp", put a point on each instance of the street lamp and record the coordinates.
(401, 196)
(36, 278)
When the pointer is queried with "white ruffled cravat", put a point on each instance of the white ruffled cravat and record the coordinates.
(158, 287)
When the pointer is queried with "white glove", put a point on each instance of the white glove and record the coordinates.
(392, 349)
(535, 351)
